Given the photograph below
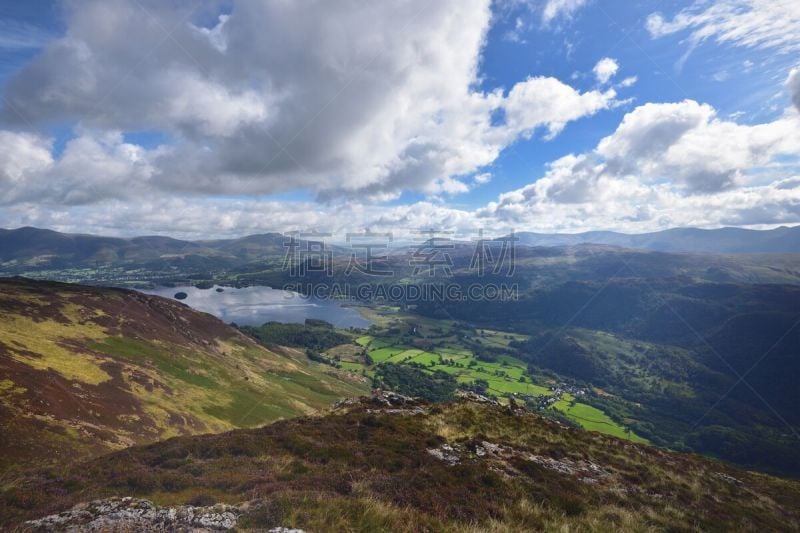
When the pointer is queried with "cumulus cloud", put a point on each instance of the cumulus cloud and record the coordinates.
(674, 164)
(206, 218)
(550, 103)
(687, 144)
(367, 100)
(92, 167)
(358, 104)
(605, 69)
(762, 24)
(22, 156)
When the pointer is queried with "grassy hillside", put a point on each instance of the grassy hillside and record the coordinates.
(409, 466)
(88, 370)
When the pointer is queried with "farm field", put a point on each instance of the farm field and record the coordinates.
(443, 346)
(593, 419)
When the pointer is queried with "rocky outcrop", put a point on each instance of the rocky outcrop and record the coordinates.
(384, 402)
(130, 514)
(475, 397)
(502, 457)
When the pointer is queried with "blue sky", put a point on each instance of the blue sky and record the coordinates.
(618, 30)
(132, 116)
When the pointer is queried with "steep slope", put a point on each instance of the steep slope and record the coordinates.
(86, 370)
(392, 464)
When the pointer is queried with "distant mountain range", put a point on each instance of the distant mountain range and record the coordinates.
(691, 240)
(29, 248)
(36, 246)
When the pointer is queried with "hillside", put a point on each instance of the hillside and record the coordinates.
(87, 370)
(391, 463)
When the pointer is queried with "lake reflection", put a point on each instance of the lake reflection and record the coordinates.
(252, 306)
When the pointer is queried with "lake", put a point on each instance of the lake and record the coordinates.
(252, 306)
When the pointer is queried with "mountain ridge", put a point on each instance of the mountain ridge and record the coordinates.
(731, 240)
(27, 243)
(393, 463)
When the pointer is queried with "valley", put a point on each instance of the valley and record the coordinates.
(625, 347)
(414, 266)
(449, 347)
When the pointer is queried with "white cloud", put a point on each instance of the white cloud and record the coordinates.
(515, 35)
(550, 103)
(674, 164)
(555, 9)
(356, 100)
(22, 157)
(359, 105)
(206, 218)
(92, 167)
(666, 165)
(482, 179)
(763, 24)
(605, 69)
(687, 144)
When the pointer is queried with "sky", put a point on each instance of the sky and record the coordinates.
(221, 118)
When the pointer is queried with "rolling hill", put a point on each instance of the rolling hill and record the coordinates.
(34, 247)
(86, 370)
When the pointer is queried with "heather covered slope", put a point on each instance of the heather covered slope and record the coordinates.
(88, 370)
(378, 465)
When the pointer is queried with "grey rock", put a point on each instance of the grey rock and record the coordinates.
(130, 514)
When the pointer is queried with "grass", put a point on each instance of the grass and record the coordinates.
(364, 340)
(593, 419)
(168, 361)
(249, 408)
(351, 366)
(384, 354)
(45, 345)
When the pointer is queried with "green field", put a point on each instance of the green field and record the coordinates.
(445, 346)
(593, 419)
(449, 351)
